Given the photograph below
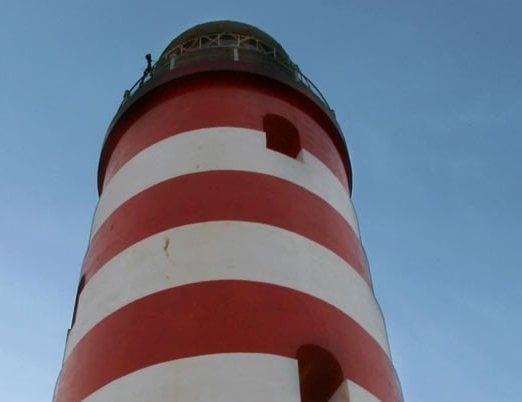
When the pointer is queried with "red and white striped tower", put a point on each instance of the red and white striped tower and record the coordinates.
(225, 262)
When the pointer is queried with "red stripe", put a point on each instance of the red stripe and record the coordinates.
(222, 317)
(224, 195)
(202, 105)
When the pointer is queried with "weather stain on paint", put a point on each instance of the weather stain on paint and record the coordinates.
(166, 247)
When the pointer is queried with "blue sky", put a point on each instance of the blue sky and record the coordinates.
(429, 96)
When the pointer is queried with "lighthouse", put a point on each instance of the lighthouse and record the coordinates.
(225, 262)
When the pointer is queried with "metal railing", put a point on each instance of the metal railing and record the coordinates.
(230, 40)
(167, 61)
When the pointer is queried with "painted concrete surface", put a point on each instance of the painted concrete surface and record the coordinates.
(224, 195)
(359, 394)
(349, 391)
(226, 316)
(220, 148)
(220, 378)
(229, 103)
(227, 250)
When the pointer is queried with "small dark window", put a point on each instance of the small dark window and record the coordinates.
(227, 40)
(81, 285)
(319, 374)
(205, 42)
(265, 48)
(249, 43)
(281, 135)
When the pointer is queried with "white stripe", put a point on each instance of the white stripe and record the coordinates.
(227, 250)
(220, 148)
(349, 391)
(227, 377)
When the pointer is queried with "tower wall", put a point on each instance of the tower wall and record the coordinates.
(224, 261)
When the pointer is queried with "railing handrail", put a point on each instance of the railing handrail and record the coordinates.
(224, 40)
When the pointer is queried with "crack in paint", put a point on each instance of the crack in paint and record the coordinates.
(166, 247)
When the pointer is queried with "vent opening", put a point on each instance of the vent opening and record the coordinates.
(281, 135)
(319, 373)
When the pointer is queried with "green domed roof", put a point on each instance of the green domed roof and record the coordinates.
(226, 27)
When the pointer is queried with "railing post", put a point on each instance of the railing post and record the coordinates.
(215, 41)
